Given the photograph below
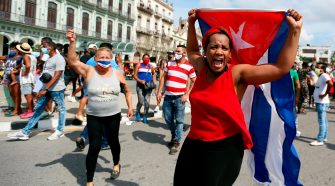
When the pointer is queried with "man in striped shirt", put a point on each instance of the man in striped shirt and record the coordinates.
(179, 77)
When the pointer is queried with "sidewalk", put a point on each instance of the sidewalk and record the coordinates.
(16, 123)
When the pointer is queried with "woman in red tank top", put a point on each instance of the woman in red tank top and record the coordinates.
(213, 151)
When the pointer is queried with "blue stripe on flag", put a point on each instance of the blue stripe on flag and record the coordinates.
(259, 129)
(284, 101)
(203, 26)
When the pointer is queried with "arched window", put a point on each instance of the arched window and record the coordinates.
(119, 32)
(98, 26)
(52, 15)
(85, 23)
(128, 33)
(30, 12)
(70, 18)
(110, 30)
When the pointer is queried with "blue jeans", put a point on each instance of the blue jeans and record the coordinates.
(58, 97)
(173, 112)
(322, 108)
(84, 134)
(143, 97)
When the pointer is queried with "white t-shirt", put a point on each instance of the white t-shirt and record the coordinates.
(321, 88)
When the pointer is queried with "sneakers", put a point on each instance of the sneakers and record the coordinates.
(56, 135)
(145, 120)
(80, 142)
(105, 147)
(26, 115)
(156, 109)
(18, 136)
(298, 134)
(175, 148)
(138, 117)
(71, 98)
(316, 143)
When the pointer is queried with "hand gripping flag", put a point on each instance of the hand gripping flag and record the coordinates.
(258, 37)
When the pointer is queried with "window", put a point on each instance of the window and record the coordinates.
(85, 22)
(156, 26)
(119, 33)
(99, 2)
(5, 5)
(139, 21)
(156, 8)
(52, 15)
(70, 18)
(128, 33)
(98, 25)
(110, 4)
(148, 23)
(120, 5)
(129, 10)
(110, 29)
(30, 12)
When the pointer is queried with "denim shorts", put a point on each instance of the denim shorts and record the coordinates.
(27, 88)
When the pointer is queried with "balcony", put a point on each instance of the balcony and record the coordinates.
(144, 30)
(145, 8)
(98, 34)
(157, 14)
(167, 19)
(157, 33)
(5, 15)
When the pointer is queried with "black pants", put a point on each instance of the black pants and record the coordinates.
(96, 126)
(215, 163)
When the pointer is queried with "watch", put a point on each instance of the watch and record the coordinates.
(46, 89)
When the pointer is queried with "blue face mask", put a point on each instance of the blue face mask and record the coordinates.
(12, 53)
(45, 50)
(104, 64)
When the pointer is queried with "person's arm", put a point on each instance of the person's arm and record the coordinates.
(153, 72)
(297, 89)
(259, 74)
(136, 74)
(192, 46)
(189, 86)
(81, 68)
(329, 85)
(127, 93)
(160, 87)
(3, 58)
(26, 60)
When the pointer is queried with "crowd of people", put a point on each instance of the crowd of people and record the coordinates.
(213, 149)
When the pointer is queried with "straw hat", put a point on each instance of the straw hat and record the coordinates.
(24, 48)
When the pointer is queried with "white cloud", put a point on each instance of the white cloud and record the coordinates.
(319, 16)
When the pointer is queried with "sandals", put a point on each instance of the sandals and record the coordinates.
(115, 174)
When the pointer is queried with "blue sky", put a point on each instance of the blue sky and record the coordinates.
(319, 16)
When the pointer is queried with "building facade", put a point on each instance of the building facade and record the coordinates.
(315, 53)
(154, 27)
(94, 21)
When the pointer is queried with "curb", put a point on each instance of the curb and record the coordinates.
(50, 124)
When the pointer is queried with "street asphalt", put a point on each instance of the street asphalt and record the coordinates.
(144, 156)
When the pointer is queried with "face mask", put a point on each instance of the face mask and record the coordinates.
(178, 56)
(45, 50)
(12, 53)
(146, 60)
(104, 64)
(92, 53)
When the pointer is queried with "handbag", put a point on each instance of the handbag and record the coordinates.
(45, 77)
(148, 85)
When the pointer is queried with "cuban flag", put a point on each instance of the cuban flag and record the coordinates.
(258, 37)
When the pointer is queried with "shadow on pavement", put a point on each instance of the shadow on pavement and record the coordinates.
(309, 140)
(149, 137)
(121, 183)
(75, 164)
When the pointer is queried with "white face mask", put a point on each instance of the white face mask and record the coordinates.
(178, 56)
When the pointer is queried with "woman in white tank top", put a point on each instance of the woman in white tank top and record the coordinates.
(103, 109)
